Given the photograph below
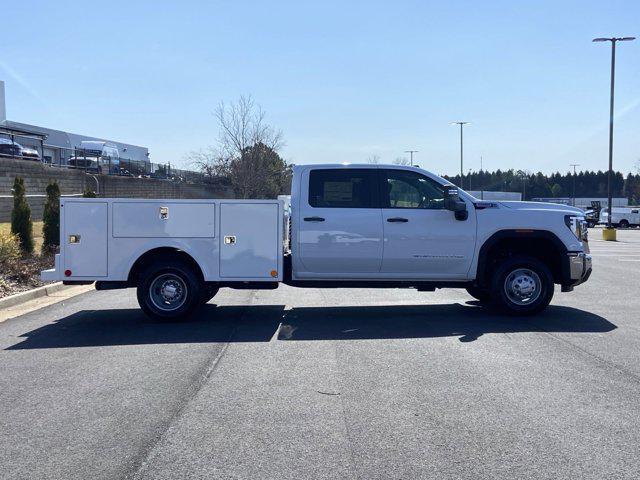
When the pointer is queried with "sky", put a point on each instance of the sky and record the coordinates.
(343, 80)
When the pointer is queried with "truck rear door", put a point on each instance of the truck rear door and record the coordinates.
(339, 221)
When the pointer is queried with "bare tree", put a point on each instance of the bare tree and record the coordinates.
(243, 125)
(402, 161)
(246, 152)
(373, 159)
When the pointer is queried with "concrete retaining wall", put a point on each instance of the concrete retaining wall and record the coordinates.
(37, 176)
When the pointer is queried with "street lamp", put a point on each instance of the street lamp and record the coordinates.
(613, 41)
(411, 152)
(574, 165)
(462, 124)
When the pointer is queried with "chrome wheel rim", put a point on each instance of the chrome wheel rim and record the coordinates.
(168, 292)
(523, 286)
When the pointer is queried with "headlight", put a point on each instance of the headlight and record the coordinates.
(578, 226)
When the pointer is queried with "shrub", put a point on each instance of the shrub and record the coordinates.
(88, 193)
(21, 224)
(9, 250)
(51, 218)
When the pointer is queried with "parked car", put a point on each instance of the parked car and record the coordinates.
(592, 217)
(90, 164)
(29, 153)
(368, 226)
(9, 148)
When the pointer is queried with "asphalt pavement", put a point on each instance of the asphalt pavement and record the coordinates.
(307, 383)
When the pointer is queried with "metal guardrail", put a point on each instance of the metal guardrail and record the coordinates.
(92, 163)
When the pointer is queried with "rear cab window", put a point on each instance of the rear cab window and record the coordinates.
(343, 188)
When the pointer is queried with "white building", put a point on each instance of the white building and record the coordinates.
(498, 196)
(56, 146)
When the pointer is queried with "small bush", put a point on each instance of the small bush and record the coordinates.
(9, 251)
(88, 193)
(21, 224)
(51, 218)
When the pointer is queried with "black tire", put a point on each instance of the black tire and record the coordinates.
(522, 285)
(169, 290)
(624, 224)
(481, 294)
(208, 292)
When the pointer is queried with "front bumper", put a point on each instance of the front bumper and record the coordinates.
(579, 271)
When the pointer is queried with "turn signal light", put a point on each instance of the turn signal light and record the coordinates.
(67, 273)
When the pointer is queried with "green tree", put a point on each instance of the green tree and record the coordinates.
(21, 224)
(259, 172)
(51, 218)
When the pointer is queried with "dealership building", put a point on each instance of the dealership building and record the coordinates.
(57, 146)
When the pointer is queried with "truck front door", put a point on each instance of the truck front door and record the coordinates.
(421, 238)
(339, 222)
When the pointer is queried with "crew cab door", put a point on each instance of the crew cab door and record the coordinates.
(339, 222)
(421, 238)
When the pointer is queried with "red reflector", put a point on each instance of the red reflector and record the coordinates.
(67, 273)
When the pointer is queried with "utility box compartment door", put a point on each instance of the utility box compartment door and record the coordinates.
(157, 219)
(249, 242)
(85, 238)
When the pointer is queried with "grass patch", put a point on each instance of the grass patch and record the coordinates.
(37, 234)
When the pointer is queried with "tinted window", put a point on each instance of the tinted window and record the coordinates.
(405, 189)
(342, 188)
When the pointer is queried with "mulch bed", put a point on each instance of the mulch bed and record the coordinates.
(24, 274)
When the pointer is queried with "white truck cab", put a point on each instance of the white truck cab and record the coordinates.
(371, 226)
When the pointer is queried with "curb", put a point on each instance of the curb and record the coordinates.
(22, 297)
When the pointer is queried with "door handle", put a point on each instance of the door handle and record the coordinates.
(313, 219)
(397, 220)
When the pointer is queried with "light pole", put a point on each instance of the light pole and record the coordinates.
(574, 165)
(411, 152)
(462, 124)
(481, 180)
(613, 41)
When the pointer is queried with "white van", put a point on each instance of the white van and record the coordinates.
(96, 155)
(623, 217)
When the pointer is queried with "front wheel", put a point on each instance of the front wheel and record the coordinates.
(624, 224)
(522, 285)
(169, 290)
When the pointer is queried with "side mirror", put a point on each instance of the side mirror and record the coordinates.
(453, 203)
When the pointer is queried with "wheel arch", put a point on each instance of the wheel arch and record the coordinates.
(542, 244)
(164, 253)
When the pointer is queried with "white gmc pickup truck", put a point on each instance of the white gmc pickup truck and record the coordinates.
(366, 226)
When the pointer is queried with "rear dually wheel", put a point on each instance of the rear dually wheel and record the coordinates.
(169, 290)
